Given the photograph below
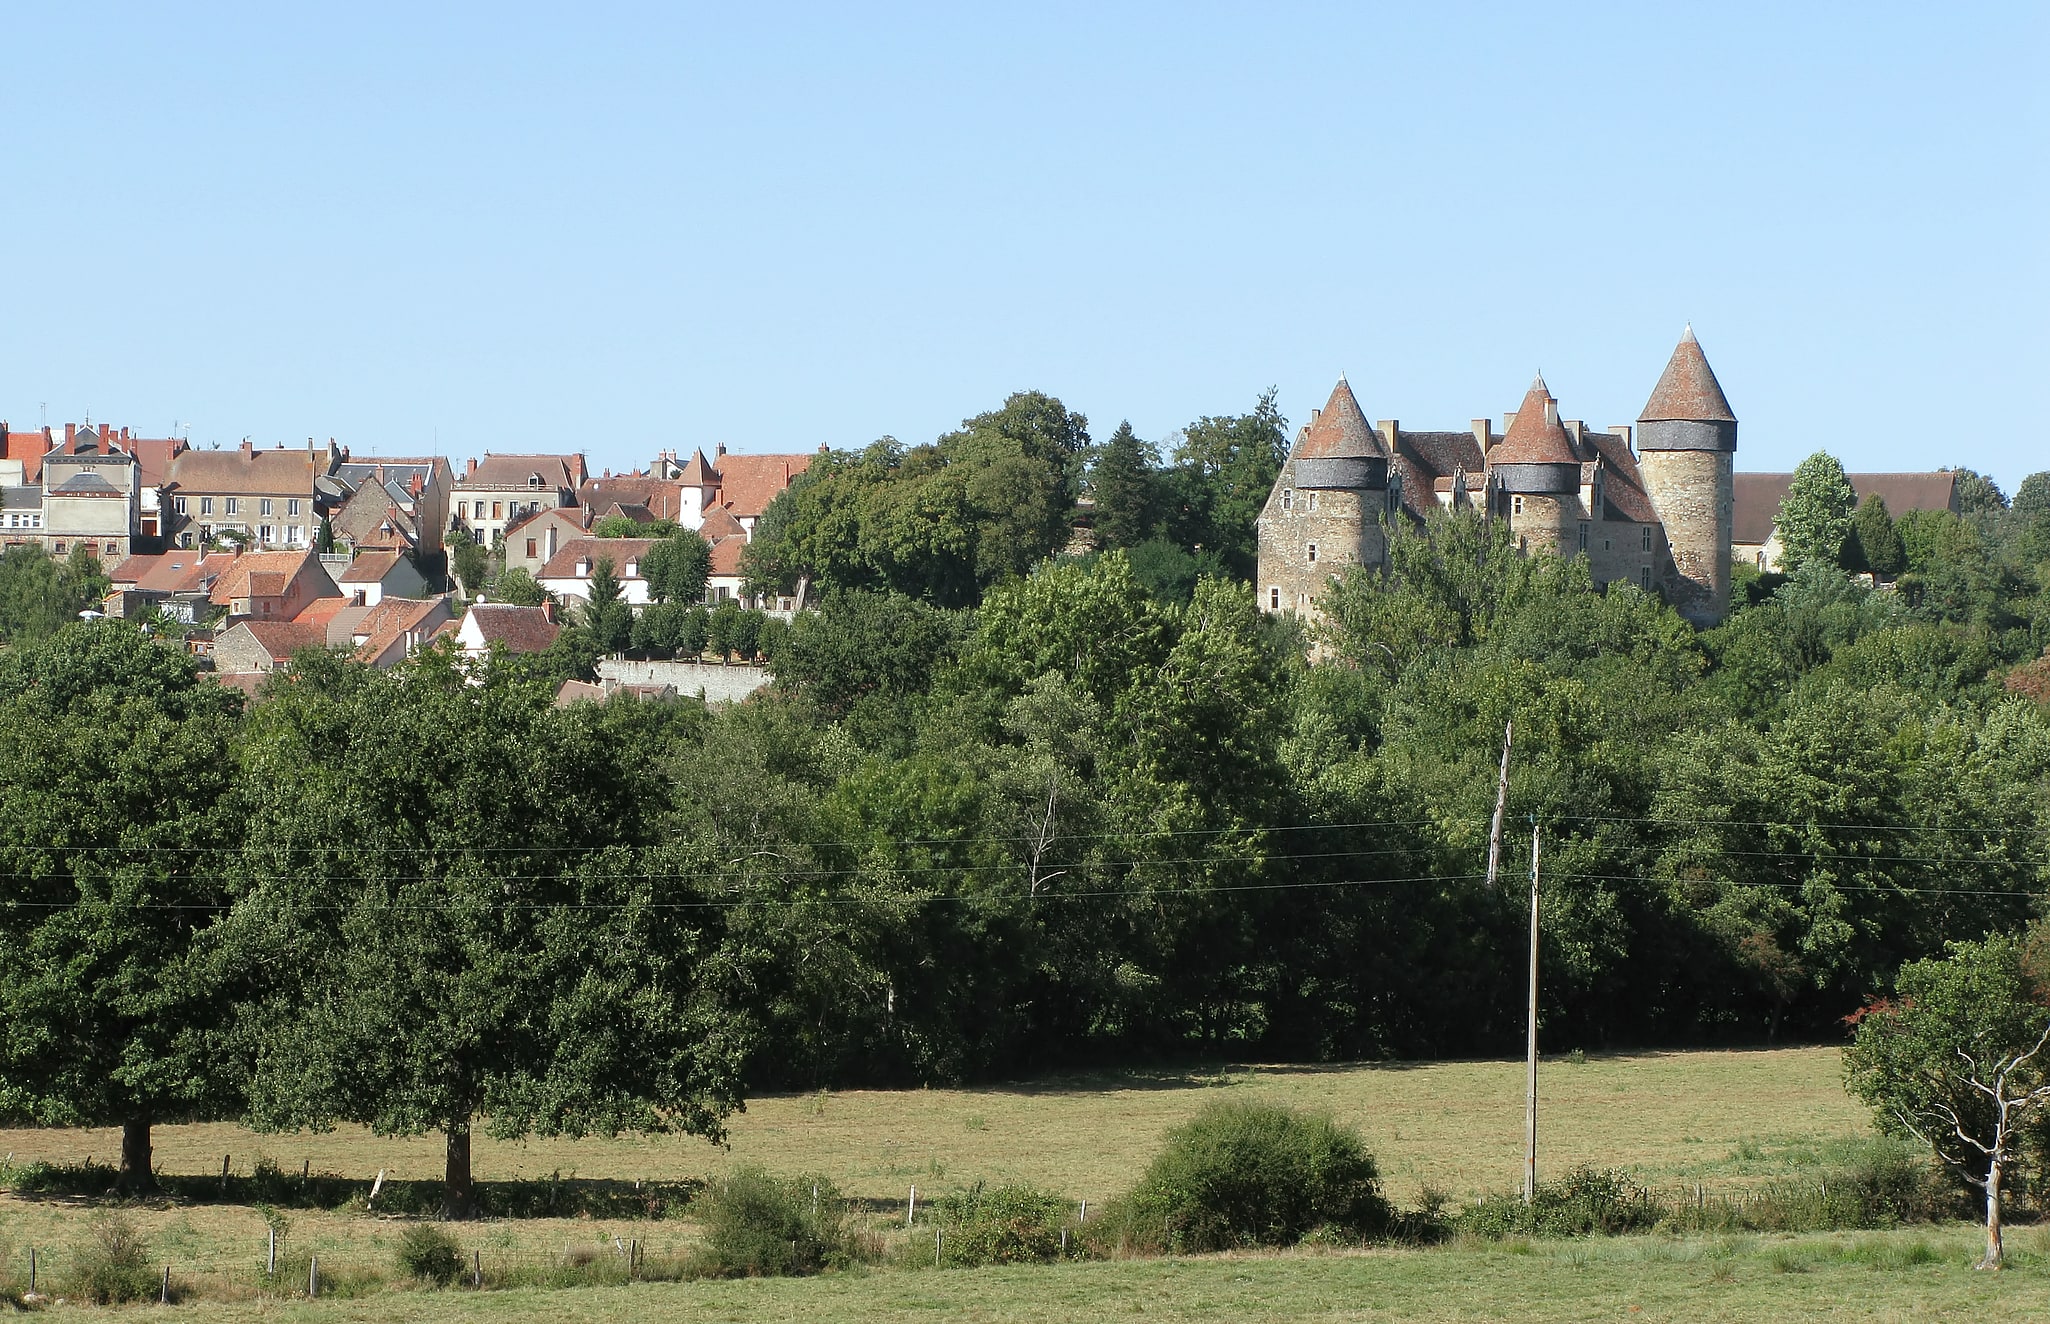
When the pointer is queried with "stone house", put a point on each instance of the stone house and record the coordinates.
(396, 502)
(273, 586)
(274, 498)
(1755, 537)
(250, 647)
(493, 494)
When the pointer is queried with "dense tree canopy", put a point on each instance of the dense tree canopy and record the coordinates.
(1815, 515)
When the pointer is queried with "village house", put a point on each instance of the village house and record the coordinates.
(395, 503)
(397, 628)
(261, 647)
(511, 629)
(270, 498)
(372, 576)
(273, 586)
(1754, 537)
(568, 573)
(741, 485)
(494, 493)
(532, 541)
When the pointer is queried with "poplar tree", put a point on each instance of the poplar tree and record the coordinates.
(1815, 515)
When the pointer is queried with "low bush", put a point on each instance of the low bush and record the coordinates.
(1249, 1174)
(1588, 1201)
(759, 1226)
(1007, 1225)
(429, 1254)
(112, 1264)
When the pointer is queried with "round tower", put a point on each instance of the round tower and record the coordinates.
(1686, 444)
(1536, 475)
(1325, 511)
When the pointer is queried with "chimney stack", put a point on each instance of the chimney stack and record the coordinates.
(471, 471)
(1484, 435)
(70, 433)
(1389, 429)
(247, 449)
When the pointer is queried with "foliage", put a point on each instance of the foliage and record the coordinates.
(1814, 517)
(428, 1253)
(40, 595)
(111, 1264)
(860, 645)
(518, 587)
(759, 1226)
(1124, 487)
(676, 567)
(1006, 1225)
(1874, 544)
(1223, 469)
(469, 561)
(606, 612)
(1250, 1174)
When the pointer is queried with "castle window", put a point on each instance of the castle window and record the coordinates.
(1274, 599)
(1644, 577)
(1761, 560)
(1583, 535)
(1313, 553)
(1647, 537)
(1516, 505)
(1313, 501)
(1288, 498)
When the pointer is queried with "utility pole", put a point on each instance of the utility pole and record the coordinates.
(1501, 799)
(1530, 1050)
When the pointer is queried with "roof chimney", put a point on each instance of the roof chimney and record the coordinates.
(1484, 434)
(247, 449)
(722, 448)
(471, 471)
(70, 433)
(1389, 429)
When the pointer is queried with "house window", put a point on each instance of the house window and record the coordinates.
(1313, 501)
(462, 510)
(1647, 537)
(1274, 599)
(1644, 576)
(1761, 560)
(1313, 553)
(57, 546)
(206, 506)
(292, 506)
(1288, 498)
(234, 505)
(180, 505)
(531, 551)
(263, 506)
(293, 534)
(112, 549)
(1516, 505)
(1583, 535)
(496, 506)
(264, 534)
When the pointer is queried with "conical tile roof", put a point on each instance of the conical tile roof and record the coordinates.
(1341, 430)
(1536, 436)
(1688, 390)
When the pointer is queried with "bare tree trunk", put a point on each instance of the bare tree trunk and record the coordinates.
(458, 1195)
(136, 1174)
(1993, 1248)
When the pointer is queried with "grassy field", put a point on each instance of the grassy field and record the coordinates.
(1893, 1277)
(1720, 1117)
(1725, 1119)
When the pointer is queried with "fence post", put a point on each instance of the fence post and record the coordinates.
(313, 1276)
(936, 1235)
(911, 1207)
(31, 1268)
(270, 1263)
(164, 1298)
(477, 1269)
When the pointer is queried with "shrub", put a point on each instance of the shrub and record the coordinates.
(429, 1254)
(1251, 1174)
(1008, 1225)
(1589, 1200)
(112, 1264)
(759, 1226)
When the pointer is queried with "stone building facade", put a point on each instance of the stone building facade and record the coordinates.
(1653, 509)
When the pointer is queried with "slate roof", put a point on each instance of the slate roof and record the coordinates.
(85, 483)
(1687, 390)
(1340, 430)
(1758, 498)
(519, 629)
(1535, 436)
(28, 497)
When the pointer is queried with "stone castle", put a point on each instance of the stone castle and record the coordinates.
(1653, 508)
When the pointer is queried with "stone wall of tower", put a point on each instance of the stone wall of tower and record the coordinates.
(1547, 523)
(1694, 495)
(1343, 524)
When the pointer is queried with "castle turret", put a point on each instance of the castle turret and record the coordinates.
(1536, 473)
(1686, 442)
(1325, 512)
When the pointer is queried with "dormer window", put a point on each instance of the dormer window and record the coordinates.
(633, 568)
(533, 480)
(583, 568)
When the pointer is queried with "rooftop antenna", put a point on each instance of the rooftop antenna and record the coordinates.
(44, 421)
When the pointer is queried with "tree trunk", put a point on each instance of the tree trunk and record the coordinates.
(1992, 1260)
(135, 1155)
(458, 1197)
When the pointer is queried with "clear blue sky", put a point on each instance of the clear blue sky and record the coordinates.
(625, 228)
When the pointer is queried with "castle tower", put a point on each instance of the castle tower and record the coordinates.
(1536, 475)
(1686, 441)
(1325, 512)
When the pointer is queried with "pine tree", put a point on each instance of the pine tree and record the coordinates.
(607, 615)
(1126, 490)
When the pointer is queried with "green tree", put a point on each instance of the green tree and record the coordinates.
(518, 587)
(1958, 1059)
(470, 563)
(1815, 515)
(606, 612)
(38, 596)
(862, 644)
(1874, 544)
(1222, 473)
(723, 628)
(464, 919)
(677, 567)
(114, 769)
(1123, 484)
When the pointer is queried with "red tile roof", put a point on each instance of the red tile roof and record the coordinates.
(726, 554)
(662, 497)
(519, 629)
(748, 483)
(260, 574)
(518, 471)
(1535, 436)
(281, 471)
(320, 611)
(281, 639)
(389, 621)
(1687, 390)
(369, 568)
(1340, 429)
(29, 448)
(563, 565)
(719, 523)
(1758, 498)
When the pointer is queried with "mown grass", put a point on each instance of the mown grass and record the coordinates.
(1891, 1276)
(1454, 1126)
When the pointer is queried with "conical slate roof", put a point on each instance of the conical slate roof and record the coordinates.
(1341, 430)
(1536, 436)
(1688, 391)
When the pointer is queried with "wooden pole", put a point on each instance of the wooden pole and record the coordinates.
(1501, 799)
(164, 1299)
(270, 1260)
(1531, 1047)
(313, 1276)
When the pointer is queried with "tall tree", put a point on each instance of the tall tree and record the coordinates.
(1123, 483)
(113, 772)
(607, 614)
(1223, 470)
(1874, 544)
(1815, 515)
(455, 892)
(676, 567)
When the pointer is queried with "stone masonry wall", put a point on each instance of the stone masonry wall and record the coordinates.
(1345, 527)
(1694, 496)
